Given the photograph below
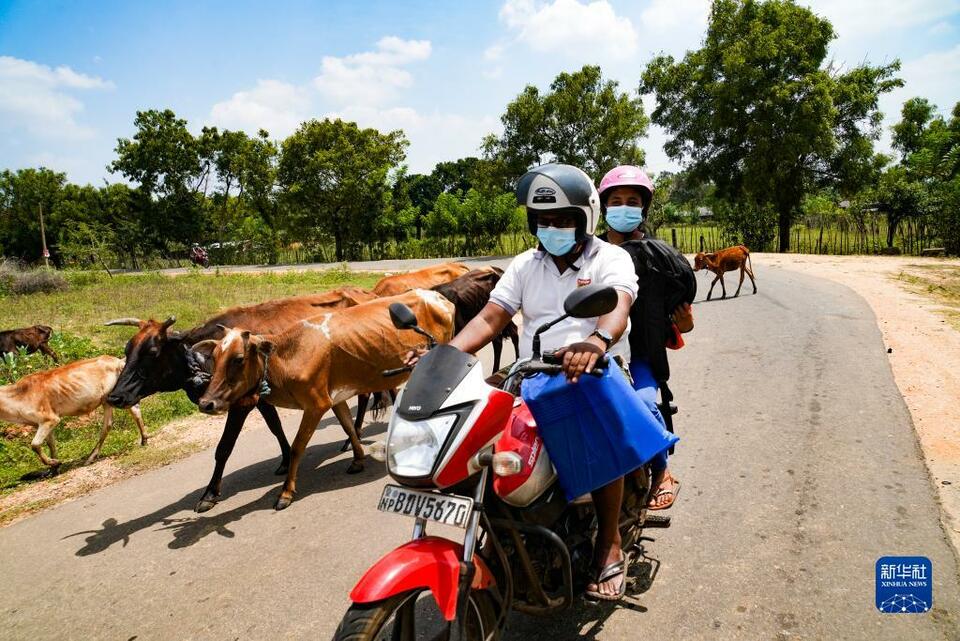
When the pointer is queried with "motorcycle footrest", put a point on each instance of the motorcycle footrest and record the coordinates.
(656, 520)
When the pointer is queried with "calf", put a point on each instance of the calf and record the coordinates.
(319, 363)
(33, 338)
(422, 278)
(469, 293)
(726, 260)
(78, 388)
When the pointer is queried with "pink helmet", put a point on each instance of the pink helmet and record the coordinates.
(626, 176)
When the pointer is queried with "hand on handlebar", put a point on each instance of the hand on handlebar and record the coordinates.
(414, 355)
(579, 358)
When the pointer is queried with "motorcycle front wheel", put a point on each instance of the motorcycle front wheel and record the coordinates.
(414, 616)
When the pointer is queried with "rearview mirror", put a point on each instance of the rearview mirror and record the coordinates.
(402, 316)
(591, 301)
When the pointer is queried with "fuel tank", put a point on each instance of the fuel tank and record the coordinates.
(521, 436)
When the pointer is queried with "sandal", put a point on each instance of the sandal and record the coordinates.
(674, 493)
(608, 572)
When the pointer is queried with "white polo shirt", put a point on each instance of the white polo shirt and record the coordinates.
(534, 286)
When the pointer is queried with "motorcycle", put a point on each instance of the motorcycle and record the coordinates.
(199, 256)
(466, 454)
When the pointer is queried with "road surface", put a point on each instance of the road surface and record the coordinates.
(799, 469)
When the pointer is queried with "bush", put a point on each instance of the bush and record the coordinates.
(16, 280)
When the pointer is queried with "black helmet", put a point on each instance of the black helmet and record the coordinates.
(559, 188)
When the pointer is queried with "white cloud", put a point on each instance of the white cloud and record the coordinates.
(363, 88)
(570, 28)
(434, 137)
(941, 28)
(494, 52)
(664, 15)
(276, 106)
(932, 76)
(35, 97)
(866, 18)
(372, 77)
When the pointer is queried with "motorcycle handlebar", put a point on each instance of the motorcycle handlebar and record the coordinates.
(397, 370)
(555, 368)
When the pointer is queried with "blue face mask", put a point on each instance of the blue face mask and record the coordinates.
(557, 242)
(624, 218)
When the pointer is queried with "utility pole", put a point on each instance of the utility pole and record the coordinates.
(43, 239)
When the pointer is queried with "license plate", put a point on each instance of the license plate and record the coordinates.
(432, 506)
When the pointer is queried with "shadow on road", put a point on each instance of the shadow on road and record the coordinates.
(313, 478)
(586, 620)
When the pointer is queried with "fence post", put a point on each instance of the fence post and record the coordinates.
(673, 237)
(701, 243)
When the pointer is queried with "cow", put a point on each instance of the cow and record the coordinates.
(33, 338)
(318, 363)
(726, 260)
(422, 278)
(42, 399)
(469, 293)
(159, 360)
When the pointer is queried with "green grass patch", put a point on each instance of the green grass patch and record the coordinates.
(938, 282)
(77, 316)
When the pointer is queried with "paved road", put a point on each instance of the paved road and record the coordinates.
(799, 466)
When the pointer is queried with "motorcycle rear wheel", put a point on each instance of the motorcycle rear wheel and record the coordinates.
(390, 619)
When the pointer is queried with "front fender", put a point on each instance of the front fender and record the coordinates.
(431, 562)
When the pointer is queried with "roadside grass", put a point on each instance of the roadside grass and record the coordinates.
(77, 316)
(939, 282)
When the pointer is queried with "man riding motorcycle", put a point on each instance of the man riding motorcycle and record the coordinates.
(563, 208)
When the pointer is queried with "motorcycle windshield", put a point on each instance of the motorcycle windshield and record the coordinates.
(436, 375)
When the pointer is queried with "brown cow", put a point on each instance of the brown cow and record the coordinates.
(34, 338)
(422, 278)
(726, 260)
(75, 389)
(469, 293)
(159, 360)
(318, 363)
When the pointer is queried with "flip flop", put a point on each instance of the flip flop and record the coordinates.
(608, 572)
(675, 492)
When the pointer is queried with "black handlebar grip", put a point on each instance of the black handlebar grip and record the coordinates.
(396, 370)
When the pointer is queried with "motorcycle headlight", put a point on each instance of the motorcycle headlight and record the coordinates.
(413, 446)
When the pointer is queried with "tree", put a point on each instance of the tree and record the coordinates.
(169, 166)
(583, 120)
(898, 197)
(22, 194)
(928, 177)
(335, 176)
(755, 111)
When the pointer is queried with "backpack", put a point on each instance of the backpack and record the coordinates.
(666, 280)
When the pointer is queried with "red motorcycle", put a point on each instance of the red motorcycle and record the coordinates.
(466, 454)
(199, 256)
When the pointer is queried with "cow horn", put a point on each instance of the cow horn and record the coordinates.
(170, 321)
(124, 321)
(223, 327)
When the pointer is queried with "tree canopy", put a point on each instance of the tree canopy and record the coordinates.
(335, 174)
(756, 111)
(582, 120)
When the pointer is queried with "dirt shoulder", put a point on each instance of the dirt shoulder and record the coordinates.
(917, 316)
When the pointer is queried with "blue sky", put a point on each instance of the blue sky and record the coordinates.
(73, 74)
